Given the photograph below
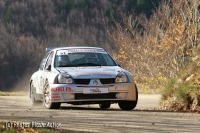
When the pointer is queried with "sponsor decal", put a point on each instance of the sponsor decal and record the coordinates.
(92, 73)
(55, 97)
(69, 89)
(57, 89)
(95, 90)
(81, 50)
(62, 52)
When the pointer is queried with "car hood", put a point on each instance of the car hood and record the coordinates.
(91, 72)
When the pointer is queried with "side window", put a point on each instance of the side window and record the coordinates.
(49, 60)
(43, 61)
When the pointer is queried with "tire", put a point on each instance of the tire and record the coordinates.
(47, 100)
(129, 105)
(34, 102)
(104, 105)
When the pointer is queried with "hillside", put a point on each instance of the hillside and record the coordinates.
(183, 92)
(28, 27)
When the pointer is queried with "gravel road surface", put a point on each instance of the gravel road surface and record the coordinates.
(90, 118)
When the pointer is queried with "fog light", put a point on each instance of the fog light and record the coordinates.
(121, 95)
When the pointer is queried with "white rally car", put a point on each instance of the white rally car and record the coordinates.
(82, 75)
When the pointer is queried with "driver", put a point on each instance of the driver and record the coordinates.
(92, 58)
(63, 60)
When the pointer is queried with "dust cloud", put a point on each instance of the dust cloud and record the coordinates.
(23, 82)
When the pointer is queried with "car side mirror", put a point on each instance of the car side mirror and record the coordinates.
(119, 65)
(48, 67)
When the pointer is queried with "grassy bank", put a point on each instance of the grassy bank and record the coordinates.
(19, 93)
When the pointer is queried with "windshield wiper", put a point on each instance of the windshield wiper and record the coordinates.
(81, 64)
(88, 64)
(69, 65)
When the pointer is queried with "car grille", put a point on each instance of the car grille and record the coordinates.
(107, 81)
(82, 81)
(95, 96)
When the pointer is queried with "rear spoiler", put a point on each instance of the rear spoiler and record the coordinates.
(51, 48)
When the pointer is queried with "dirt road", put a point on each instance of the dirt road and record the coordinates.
(89, 118)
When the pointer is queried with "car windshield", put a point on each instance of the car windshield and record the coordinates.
(67, 59)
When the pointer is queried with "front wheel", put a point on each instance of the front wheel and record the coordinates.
(129, 105)
(47, 98)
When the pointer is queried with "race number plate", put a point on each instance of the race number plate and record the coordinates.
(94, 90)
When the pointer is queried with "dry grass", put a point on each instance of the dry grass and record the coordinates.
(19, 93)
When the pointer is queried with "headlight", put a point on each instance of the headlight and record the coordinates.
(121, 78)
(65, 78)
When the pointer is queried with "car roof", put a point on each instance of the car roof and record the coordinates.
(59, 48)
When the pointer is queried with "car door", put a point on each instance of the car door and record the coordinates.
(40, 74)
(47, 72)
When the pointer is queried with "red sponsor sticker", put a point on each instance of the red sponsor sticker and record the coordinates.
(81, 50)
(57, 89)
(55, 97)
(69, 89)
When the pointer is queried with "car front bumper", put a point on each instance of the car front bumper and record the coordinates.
(71, 93)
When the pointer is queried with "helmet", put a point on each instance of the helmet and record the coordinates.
(63, 60)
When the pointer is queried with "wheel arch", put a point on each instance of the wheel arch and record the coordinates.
(30, 87)
(136, 91)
